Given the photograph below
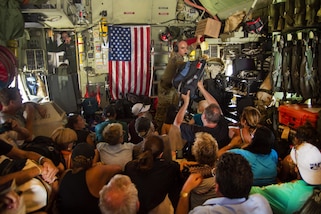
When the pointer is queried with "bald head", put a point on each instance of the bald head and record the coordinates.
(182, 48)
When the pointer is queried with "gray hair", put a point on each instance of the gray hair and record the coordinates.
(119, 196)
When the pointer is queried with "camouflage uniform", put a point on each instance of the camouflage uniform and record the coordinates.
(167, 93)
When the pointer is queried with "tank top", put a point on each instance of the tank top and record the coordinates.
(74, 195)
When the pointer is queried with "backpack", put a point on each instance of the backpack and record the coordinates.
(47, 147)
(188, 75)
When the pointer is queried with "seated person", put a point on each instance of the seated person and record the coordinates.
(260, 154)
(13, 133)
(196, 119)
(78, 124)
(65, 138)
(119, 196)
(138, 110)
(113, 150)
(249, 121)
(145, 128)
(10, 200)
(306, 159)
(213, 120)
(234, 179)
(148, 172)
(205, 153)
(110, 117)
(25, 173)
(12, 108)
(79, 187)
(305, 133)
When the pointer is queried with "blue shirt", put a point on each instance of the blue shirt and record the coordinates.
(198, 119)
(255, 204)
(264, 167)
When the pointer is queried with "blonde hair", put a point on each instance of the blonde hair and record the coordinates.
(251, 115)
(64, 136)
(205, 148)
(112, 133)
(201, 106)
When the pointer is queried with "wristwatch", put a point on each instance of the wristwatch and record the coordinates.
(184, 194)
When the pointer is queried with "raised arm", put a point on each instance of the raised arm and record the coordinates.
(181, 113)
(208, 97)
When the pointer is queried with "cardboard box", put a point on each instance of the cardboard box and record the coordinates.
(295, 115)
(209, 27)
(55, 117)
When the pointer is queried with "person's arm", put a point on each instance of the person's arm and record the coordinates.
(21, 176)
(192, 121)
(181, 113)
(23, 133)
(208, 97)
(183, 204)
(197, 42)
(49, 169)
(236, 142)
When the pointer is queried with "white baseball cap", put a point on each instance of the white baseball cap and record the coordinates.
(308, 160)
(140, 108)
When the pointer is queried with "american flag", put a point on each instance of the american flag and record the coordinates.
(129, 61)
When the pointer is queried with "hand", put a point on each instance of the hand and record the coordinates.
(193, 181)
(200, 84)
(49, 171)
(198, 39)
(14, 124)
(186, 97)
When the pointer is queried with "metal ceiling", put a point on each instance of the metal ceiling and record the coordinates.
(60, 17)
(225, 8)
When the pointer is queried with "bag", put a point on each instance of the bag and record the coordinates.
(134, 98)
(90, 106)
(188, 75)
(47, 147)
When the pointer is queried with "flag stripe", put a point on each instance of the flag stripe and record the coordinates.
(129, 61)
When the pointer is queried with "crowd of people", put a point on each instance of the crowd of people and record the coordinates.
(224, 170)
(197, 166)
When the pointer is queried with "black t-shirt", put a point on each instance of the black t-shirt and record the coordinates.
(220, 133)
(5, 148)
(153, 185)
(81, 136)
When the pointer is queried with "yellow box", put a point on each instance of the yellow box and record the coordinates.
(209, 27)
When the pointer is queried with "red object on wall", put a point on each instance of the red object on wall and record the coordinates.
(295, 115)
